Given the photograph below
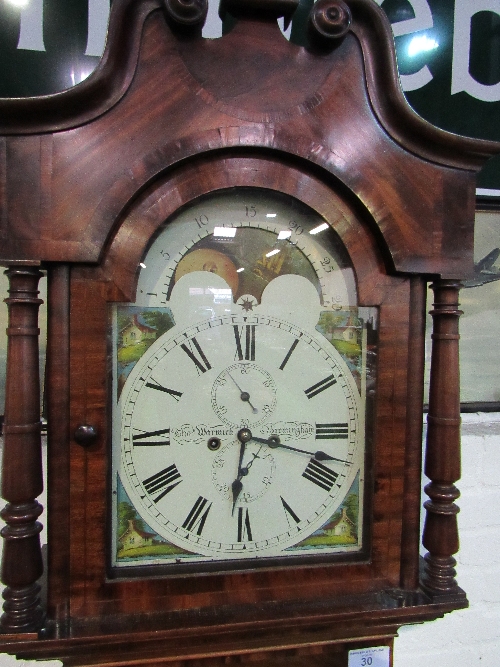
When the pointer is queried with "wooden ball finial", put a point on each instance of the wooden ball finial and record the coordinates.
(329, 20)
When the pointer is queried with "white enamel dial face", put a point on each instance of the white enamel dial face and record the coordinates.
(188, 392)
(239, 432)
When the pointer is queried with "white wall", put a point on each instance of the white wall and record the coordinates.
(469, 638)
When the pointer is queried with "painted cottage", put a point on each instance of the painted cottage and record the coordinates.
(134, 537)
(136, 332)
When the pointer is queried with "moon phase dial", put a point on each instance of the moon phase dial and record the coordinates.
(248, 238)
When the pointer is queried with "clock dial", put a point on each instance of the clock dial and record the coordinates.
(239, 429)
(289, 486)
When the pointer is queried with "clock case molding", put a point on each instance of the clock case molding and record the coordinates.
(87, 176)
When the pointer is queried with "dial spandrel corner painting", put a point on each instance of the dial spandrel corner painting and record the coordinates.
(240, 383)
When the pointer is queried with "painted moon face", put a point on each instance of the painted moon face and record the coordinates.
(206, 259)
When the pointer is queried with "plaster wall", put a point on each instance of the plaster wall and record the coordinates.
(468, 638)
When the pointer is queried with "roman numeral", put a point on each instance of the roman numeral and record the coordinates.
(196, 355)
(249, 342)
(320, 475)
(140, 440)
(289, 512)
(244, 530)
(197, 516)
(155, 385)
(289, 354)
(320, 386)
(163, 482)
(331, 431)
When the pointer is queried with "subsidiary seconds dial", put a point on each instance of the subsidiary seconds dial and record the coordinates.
(244, 393)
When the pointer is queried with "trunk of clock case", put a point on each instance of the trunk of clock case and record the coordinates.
(317, 595)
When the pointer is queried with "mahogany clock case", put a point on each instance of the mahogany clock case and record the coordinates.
(88, 179)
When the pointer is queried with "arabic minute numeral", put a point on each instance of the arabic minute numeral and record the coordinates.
(325, 263)
(250, 211)
(202, 221)
(295, 227)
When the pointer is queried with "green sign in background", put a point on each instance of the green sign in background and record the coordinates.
(448, 54)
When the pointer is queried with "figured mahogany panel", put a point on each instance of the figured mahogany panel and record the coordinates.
(413, 462)
(57, 413)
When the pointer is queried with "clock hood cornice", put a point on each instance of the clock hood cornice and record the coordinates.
(111, 80)
(72, 163)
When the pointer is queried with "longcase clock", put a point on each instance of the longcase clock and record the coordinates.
(238, 234)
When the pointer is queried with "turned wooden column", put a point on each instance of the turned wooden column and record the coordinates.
(442, 458)
(22, 479)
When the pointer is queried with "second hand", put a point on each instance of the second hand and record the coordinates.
(244, 395)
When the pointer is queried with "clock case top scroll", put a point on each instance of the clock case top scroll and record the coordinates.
(92, 180)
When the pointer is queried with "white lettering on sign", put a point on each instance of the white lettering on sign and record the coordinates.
(421, 21)
(98, 26)
(461, 79)
(31, 38)
(377, 656)
(31, 33)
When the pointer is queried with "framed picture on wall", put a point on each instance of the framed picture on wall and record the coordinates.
(480, 322)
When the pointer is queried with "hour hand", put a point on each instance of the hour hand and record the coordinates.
(244, 435)
(274, 442)
(236, 489)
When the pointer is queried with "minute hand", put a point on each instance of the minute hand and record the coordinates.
(319, 455)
